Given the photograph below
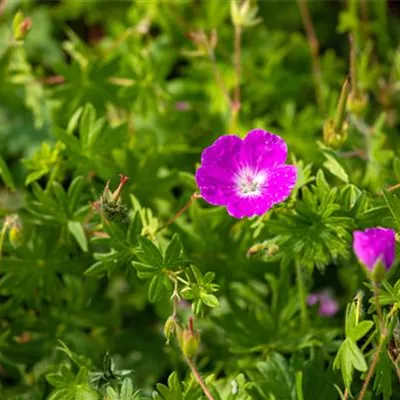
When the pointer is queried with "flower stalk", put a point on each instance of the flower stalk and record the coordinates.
(314, 48)
(302, 295)
(189, 340)
(382, 338)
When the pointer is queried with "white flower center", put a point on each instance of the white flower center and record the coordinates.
(249, 183)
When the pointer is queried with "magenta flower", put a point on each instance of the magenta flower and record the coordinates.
(373, 245)
(247, 176)
(328, 306)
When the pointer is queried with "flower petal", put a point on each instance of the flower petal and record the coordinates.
(280, 183)
(223, 152)
(262, 150)
(215, 184)
(240, 207)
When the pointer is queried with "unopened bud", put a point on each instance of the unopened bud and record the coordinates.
(110, 202)
(189, 340)
(357, 103)
(243, 14)
(332, 136)
(169, 327)
(204, 43)
(15, 234)
(21, 26)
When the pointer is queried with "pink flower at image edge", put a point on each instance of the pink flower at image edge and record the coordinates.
(248, 176)
(375, 244)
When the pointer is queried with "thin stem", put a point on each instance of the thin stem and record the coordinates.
(364, 18)
(302, 295)
(371, 370)
(369, 340)
(3, 4)
(314, 48)
(238, 66)
(346, 395)
(380, 345)
(199, 379)
(379, 310)
(353, 66)
(218, 78)
(193, 197)
(394, 187)
(53, 80)
(392, 311)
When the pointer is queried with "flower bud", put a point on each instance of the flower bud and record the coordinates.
(243, 14)
(189, 340)
(375, 248)
(357, 103)
(334, 137)
(110, 202)
(335, 129)
(169, 327)
(21, 26)
(15, 234)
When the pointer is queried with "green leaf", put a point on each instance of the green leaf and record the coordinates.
(276, 379)
(361, 330)
(71, 141)
(343, 362)
(149, 253)
(209, 300)
(155, 288)
(334, 167)
(173, 251)
(112, 394)
(6, 174)
(34, 176)
(393, 203)
(56, 380)
(73, 121)
(126, 389)
(60, 194)
(145, 271)
(356, 356)
(383, 376)
(86, 122)
(77, 231)
(97, 269)
(74, 191)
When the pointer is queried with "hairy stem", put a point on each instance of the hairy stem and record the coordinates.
(238, 66)
(199, 379)
(394, 187)
(382, 338)
(193, 197)
(302, 295)
(314, 48)
(371, 370)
